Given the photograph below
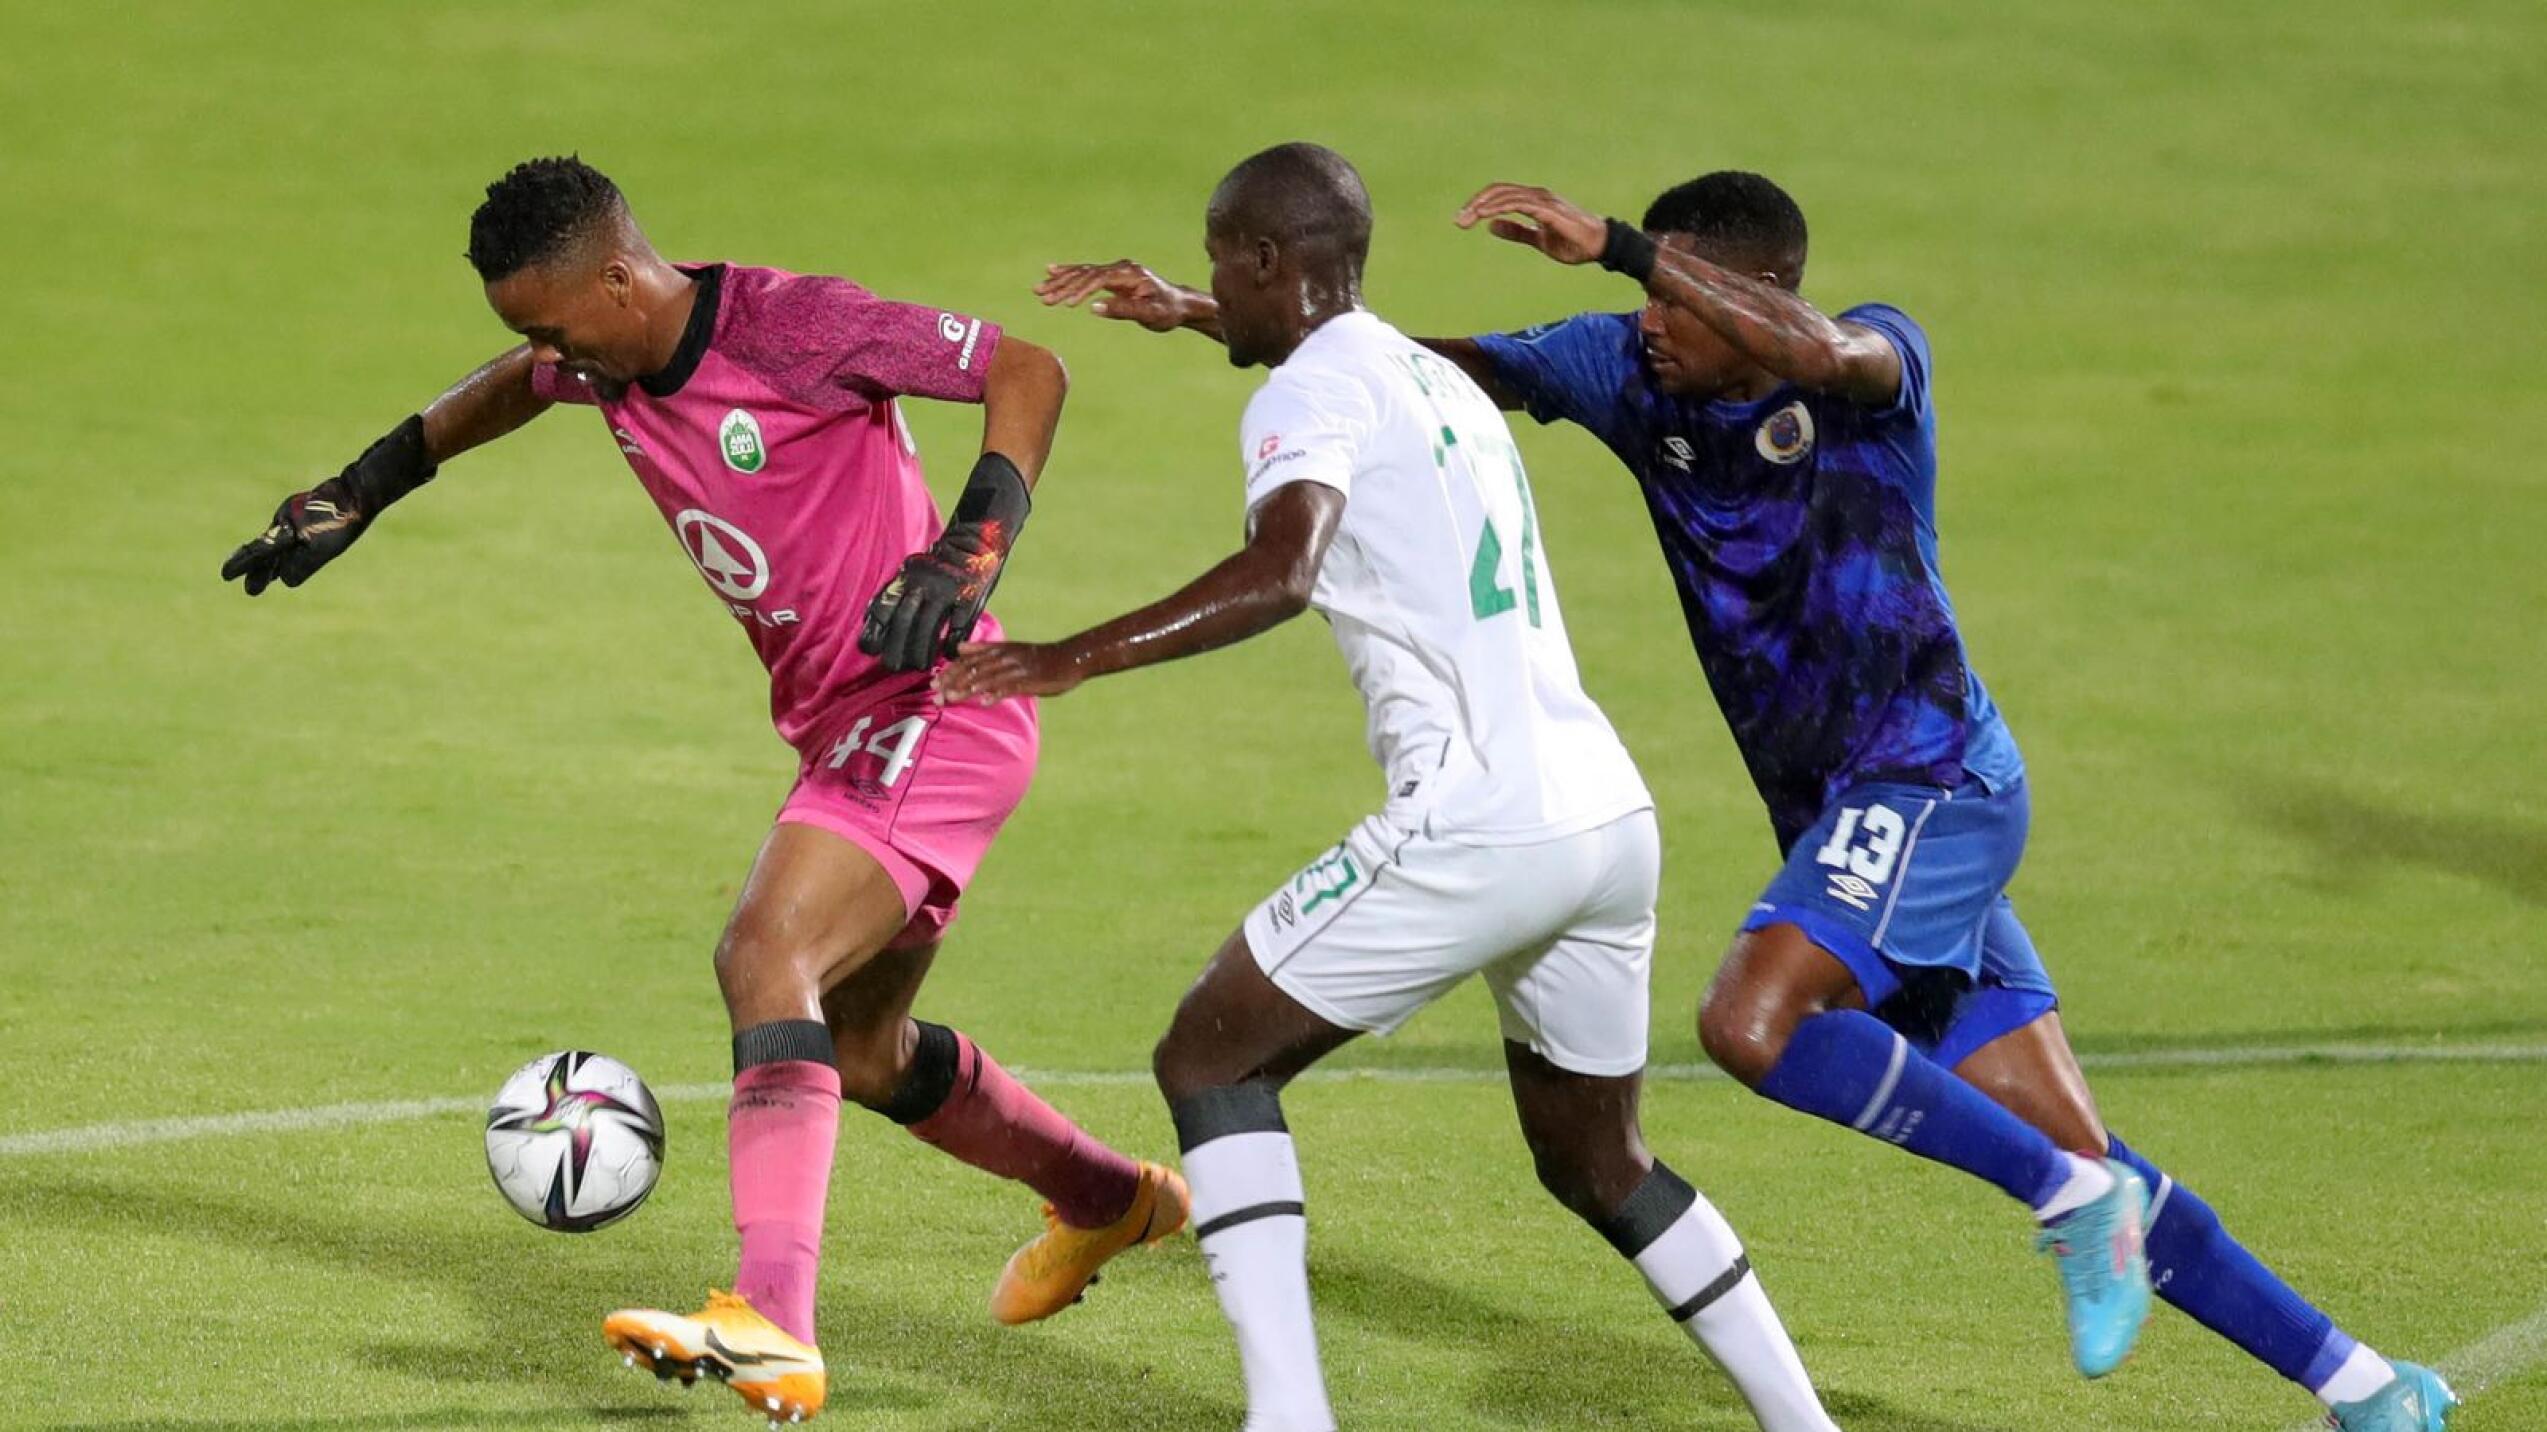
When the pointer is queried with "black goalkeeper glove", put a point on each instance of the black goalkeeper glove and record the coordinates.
(312, 527)
(930, 606)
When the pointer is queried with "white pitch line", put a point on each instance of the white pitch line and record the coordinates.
(2494, 1359)
(86, 1138)
(90, 1138)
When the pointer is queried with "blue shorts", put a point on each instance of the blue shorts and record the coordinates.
(1907, 886)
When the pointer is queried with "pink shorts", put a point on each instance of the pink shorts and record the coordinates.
(921, 787)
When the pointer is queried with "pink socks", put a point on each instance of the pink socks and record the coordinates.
(998, 1125)
(780, 1130)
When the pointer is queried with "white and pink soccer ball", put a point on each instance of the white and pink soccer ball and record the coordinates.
(575, 1141)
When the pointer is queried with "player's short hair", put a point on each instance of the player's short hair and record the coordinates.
(1736, 217)
(1302, 196)
(539, 210)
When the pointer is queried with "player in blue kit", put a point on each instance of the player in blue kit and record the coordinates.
(1883, 980)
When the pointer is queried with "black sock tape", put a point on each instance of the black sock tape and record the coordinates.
(930, 1079)
(1705, 1298)
(1655, 1206)
(781, 1040)
(1254, 1107)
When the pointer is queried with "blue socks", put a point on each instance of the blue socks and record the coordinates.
(2197, 1266)
(1850, 1068)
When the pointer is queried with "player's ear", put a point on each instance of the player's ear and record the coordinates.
(619, 281)
(1268, 259)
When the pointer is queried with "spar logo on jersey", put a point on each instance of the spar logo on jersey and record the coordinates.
(732, 563)
(726, 555)
(738, 441)
(1787, 436)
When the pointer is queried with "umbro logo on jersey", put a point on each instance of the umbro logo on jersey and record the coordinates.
(1852, 890)
(1271, 445)
(627, 442)
(1786, 437)
(738, 441)
(1677, 452)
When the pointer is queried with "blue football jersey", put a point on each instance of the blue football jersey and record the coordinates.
(1801, 532)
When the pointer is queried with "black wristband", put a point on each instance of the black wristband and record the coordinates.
(390, 468)
(1629, 250)
(996, 500)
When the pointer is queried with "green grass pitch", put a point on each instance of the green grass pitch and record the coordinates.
(2237, 316)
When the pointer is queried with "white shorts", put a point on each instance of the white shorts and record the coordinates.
(1563, 931)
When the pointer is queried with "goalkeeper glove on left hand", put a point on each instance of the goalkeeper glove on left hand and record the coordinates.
(930, 606)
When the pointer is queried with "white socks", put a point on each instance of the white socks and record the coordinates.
(2088, 1181)
(1699, 1273)
(2362, 1375)
(1254, 1232)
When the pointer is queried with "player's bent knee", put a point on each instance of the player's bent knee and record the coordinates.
(1742, 1032)
(765, 978)
(1177, 1076)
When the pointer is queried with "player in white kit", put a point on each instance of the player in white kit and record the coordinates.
(1517, 841)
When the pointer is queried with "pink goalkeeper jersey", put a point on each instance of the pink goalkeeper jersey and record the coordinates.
(775, 449)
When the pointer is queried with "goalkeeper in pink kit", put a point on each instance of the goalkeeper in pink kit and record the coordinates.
(760, 410)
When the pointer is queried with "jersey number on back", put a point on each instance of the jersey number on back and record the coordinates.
(1487, 594)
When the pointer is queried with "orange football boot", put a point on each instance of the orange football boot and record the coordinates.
(775, 1375)
(1054, 1269)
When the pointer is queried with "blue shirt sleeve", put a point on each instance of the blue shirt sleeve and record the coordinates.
(1911, 342)
(1904, 430)
(1581, 369)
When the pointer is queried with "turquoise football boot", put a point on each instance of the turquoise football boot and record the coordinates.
(2105, 1271)
(2418, 1401)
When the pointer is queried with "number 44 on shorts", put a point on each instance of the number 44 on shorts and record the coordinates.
(894, 746)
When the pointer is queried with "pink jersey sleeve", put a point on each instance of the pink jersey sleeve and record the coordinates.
(807, 334)
(549, 382)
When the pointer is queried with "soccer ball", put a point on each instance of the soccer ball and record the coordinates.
(575, 1141)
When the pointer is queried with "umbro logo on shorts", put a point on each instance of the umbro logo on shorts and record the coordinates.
(1852, 890)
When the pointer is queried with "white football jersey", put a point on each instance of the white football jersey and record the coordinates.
(1438, 590)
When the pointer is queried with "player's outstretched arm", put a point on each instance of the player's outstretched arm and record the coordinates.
(930, 606)
(311, 528)
(1131, 291)
(1469, 356)
(1767, 322)
(1261, 586)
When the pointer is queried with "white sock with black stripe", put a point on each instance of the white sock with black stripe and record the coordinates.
(1250, 1219)
(1699, 1273)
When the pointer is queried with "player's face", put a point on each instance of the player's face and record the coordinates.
(585, 321)
(1685, 355)
(1241, 285)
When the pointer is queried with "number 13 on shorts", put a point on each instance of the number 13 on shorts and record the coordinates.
(1882, 830)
